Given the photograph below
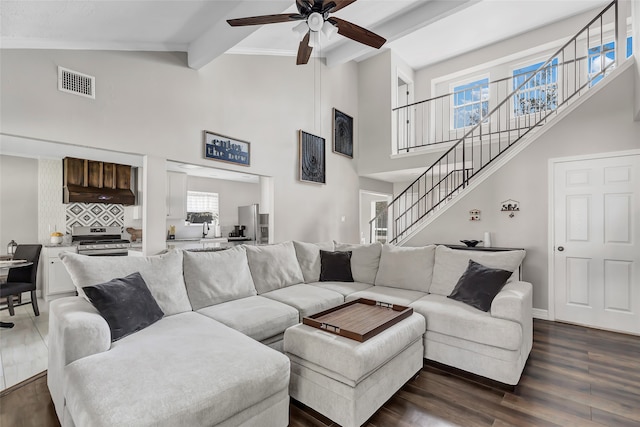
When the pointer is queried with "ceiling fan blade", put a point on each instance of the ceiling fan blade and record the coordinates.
(304, 50)
(336, 5)
(357, 33)
(265, 19)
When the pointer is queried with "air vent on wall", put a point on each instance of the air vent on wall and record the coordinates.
(76, 83)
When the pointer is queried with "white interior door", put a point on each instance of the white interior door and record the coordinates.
(596, 261)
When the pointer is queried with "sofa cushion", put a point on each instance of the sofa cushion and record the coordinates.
(344, 288)
(161, 273)
(479, 285)
(364, 260)
(450, 264)
(221, 373)
(308, 255)
(453, 318)
(406, 267)
(274, 266)
(125, 303)
(335, 266)
(268, 317)
(387, 294)
(307, 299)
(216, 277)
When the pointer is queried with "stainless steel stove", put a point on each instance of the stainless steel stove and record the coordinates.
(100, 241)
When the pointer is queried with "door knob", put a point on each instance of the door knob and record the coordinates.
(561, 248)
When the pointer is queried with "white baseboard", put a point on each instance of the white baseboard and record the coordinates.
(540, 313)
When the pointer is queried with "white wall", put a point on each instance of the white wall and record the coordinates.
(18, 201)
(602, 124)
(152, 103)
(376, 96)
(635, 25)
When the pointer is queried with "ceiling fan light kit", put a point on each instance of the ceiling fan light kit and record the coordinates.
(316, 20)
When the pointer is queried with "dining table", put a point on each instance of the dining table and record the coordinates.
(5, 265)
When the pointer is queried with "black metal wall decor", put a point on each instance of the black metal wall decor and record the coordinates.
(225, 149)
(312, 158)
(342, 133)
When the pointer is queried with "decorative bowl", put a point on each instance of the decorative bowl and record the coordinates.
(471, 243)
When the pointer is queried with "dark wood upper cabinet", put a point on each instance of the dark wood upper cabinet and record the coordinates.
(123, 177)
(109, 173)
(91, 181)
(95, 174)
(73, 171)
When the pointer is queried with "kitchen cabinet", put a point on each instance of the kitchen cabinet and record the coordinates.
(57, 281)
(176, 195)
(90, 181)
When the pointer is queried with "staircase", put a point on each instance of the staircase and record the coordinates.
(536, 99)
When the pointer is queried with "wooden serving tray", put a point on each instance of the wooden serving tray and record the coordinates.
(360, 319)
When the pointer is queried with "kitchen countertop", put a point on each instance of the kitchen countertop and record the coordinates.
(200, 239)
(60, 245)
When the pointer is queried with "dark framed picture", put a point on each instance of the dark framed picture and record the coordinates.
(225, 149)
(312, 158)
(342, 133)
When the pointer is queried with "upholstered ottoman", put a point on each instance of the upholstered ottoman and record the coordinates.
(347, 380)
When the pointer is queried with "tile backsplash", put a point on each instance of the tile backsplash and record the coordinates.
(94, 215)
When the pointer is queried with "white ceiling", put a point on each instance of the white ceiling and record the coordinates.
(421, 32)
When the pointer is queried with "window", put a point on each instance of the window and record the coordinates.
(202, 207)
(538, 94)
(600, 60)
(380, 224)
(470, 103)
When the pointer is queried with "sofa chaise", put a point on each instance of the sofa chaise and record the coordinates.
(215, 355)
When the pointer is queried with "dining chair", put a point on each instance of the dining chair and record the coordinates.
(22, 279)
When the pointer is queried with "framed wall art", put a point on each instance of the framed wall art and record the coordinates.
(225, 149)
(312, 158)
(342, 133)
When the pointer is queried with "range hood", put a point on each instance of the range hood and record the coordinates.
(89, 181)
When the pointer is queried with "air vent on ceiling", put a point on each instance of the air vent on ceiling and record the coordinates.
(76, 83)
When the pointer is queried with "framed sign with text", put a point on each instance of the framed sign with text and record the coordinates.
(225, 149)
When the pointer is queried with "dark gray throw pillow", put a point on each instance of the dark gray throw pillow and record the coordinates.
(335, 266)
(125, 303)
(479, 285)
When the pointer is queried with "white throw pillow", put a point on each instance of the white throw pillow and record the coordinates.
(308, 255)
(450, 264)
(406, 267)
(161, 273)
(274, 266)
(364, 260)
(216, 277)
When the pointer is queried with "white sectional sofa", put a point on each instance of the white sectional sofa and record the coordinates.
(215, 357)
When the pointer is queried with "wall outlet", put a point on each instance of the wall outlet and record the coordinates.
(474, 215)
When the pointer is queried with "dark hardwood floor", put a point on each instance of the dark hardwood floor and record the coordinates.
(575, 376)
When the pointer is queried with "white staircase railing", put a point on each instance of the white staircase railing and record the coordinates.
(568, 74)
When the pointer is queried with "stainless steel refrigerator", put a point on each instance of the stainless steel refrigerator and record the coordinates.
(256, 225)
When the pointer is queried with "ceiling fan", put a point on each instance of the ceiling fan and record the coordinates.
(315, 14)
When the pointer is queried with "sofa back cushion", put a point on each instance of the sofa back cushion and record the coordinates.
(406, 267)
(217, 277)
(450, 264)
(161, 273)
(308, 255)
(364, 260)
(274, 266)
